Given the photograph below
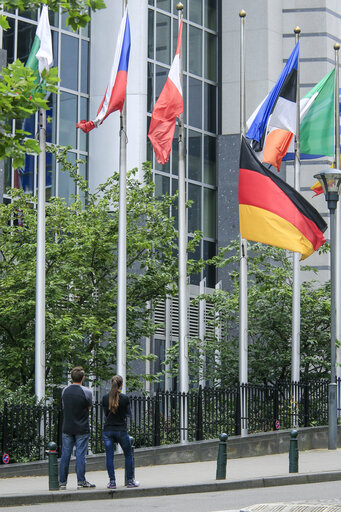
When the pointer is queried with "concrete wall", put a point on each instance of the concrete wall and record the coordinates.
(237, 447)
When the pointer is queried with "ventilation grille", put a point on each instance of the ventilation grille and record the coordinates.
(193, 319)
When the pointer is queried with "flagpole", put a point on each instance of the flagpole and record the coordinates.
(183, 342)
(122, 249)
(40, 264)
(338, 218)
(296, 288)
(243, 293)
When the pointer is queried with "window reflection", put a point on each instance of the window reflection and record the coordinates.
(195, 11)
(150, 87)
(209, 213)
(210, 160)
(26, 35)
(84, 66)
(24, 176)
(69, 62)
(68, 119)
(210, 108)
(195, 102)
(150, 34)
(195, 51)
(194, 212)
(211, 9)
(194, 155)
(66, 185)
(210, 270)
(31, 14)
(164, 4)
(210, 57)
(161, 185)
(163, 38)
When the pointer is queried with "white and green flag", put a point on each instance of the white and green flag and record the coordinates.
(41, 56)
(317, 122)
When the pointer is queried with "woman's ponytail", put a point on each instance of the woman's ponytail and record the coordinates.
(114, 395)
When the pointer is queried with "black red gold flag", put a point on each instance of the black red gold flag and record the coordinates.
(273, 212)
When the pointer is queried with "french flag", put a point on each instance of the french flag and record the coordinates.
(116, 89)
(167, 108)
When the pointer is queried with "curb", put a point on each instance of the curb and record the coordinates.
(90, 495)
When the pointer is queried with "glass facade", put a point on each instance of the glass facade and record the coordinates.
(71, 56)
(199, 57)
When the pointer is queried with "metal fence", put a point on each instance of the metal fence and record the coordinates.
(25, 431)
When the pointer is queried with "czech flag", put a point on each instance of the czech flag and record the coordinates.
(116, 89)
(168, 107)
(272, 212)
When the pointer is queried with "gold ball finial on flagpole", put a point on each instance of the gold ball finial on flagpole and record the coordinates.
(336, 46)
(179, 6)
(297, 30)
(242, 13)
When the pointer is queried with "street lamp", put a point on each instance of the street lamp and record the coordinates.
(331, 184)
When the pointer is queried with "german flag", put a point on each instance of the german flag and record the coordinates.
(273, 212)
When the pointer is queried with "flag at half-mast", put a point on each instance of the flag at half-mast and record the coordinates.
(272, 212)
(278, 110)
(168, 107)
(116, 90)
(41, 56)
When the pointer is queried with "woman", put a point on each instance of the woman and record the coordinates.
(116, 408)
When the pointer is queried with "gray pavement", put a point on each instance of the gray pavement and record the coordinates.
(172, 479)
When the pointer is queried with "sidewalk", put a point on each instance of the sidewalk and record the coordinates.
(264, 471)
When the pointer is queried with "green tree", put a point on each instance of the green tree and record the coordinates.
(81, 277)
(270, 277)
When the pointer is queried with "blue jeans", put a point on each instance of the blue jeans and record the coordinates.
(123, 439)
(69, 441)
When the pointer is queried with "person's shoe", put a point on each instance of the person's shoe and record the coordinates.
(62, 487)
(132, 483)
(85, 485)
(111, 485)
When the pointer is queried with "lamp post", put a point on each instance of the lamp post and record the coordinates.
(331, 184)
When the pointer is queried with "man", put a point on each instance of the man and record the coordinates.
(77, 401)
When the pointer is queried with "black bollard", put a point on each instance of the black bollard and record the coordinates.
(125, 470)
(53, 466)
(293, 452)
(222, 457)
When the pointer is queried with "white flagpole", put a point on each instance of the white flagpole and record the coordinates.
(122, 249)
(296, 287)
(183, 342)
(296, 291)
(40, 265)
(338, 218)
(243, 305)
(202, 334)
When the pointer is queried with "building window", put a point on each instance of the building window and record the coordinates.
(71, 55)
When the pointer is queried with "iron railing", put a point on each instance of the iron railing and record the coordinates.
(25, 431)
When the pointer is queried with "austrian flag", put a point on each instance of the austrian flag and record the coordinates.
(168, 107)
(116, 90)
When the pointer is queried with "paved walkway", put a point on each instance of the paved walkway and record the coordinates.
(265, 471)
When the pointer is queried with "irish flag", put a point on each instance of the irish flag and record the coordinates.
(316, 127)
(167, 108)
(41, 56)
